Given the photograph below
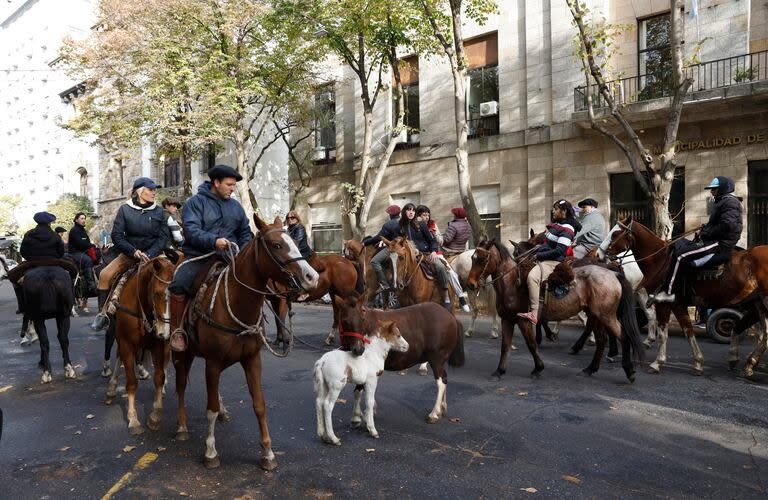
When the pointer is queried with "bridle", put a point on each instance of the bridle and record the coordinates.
(626, 233)
(353, 334)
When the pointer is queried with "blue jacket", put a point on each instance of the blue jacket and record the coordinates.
(390, 230)
(299, 235)
(137, 228)
(207, 217)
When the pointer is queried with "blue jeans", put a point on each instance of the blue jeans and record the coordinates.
(185, 277)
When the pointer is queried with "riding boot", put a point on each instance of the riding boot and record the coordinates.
(382, 277)
(90, 283)
(177, 305)
(101, 321)
(19, 298)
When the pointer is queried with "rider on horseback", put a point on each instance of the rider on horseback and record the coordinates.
(390, 230)
(592, 229)
(560, 234)
(79, 243)
(140, 233)
(212, 222)
(716, 238)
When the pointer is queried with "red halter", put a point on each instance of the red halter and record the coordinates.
(356, 335)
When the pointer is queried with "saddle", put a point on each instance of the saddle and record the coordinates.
(427, 269)
(207, 275)
(17, 272)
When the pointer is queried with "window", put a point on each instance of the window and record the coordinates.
(757, 222)
(409, 78)
(488, 204)
(654, 57)
(326, 227)
(171, 172)
(209, 158)
(628, 199)
(482, 86)
(401, 199)
(119, 168)
(325, 125)
(83, 173)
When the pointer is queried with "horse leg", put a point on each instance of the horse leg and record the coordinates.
(252, 368)
(212, 374)
(579, 344)
(224, 415)
(507, 329)
(530, 341)
(112, 384)
(126, 352)
(441, 378)
(662, 314)
(685, 323)
(733, 351)
(182, 362)
(45, 348)
(469, 331)
(109, 341)
(495, 329)
(600, 341)
(761, 344)
(62, 333)
(158, 361)
(423, 368)
(613, 349)
(357, 413)
(650, 313)
(613, 330)
(332, 334)
(370, 404)
(539, 334)
(141, 372)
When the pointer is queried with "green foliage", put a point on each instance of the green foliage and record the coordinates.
(8, 222)
(67, 206)
(746, 74)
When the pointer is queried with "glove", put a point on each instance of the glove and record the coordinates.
(381, 244)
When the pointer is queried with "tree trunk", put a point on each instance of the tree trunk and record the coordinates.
(361, 220)
(662, 221)
(243, 188)
(185, 164)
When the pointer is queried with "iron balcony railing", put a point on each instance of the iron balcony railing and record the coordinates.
(483, 127)
(706, 76)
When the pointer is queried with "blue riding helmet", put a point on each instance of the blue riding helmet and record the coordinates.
(714, 183)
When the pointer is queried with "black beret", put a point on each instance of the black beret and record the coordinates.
(44, 217)
(60, 229)
(588, 201)
(224, 171)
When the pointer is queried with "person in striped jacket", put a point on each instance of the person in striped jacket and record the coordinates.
(560, 234)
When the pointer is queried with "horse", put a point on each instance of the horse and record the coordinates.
(462, 264)
(82, 294)
(355, 251)
(433, 335)
(337, 368)
(48, 294)
(224, 327)
(141, 322)
(744, 276)
(28, 334)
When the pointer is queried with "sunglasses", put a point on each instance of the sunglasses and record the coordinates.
(291, 217)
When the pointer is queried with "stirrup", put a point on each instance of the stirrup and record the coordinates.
(178, 334)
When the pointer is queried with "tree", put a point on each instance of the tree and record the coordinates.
(447, 30)
(185, 74)
(8, 222)
(67, 206)
(595, 46)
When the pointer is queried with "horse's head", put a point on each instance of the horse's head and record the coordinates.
(537, 239)
(284, 263)
(351, 249)
(390, 333)
(521, 248)
(622, 237)
(485, 262)
(351, 323)
(162, 269)
(401, 255)
(3, 268)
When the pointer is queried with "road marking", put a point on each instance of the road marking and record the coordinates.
(141, 464)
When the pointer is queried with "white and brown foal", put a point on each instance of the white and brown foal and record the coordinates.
(338, 368)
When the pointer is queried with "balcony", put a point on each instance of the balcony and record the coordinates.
(483, 127)
(711, 75)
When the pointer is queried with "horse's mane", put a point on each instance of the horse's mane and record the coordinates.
(503, 250)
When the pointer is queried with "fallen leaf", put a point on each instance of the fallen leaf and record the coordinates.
(572, 479)
(455, 420)
(5, 388)
(161, 448)
(64, 448)
(184, 493)
(245, 497)
(94, 428)
(128, 448)
(77, 433)
(279, 453)
(119, 456)
(529, 490)
(522, 393)
(502, 389)
(612, 408)
(370, 450)
(341, 401)
(747, 466)
(90, 416)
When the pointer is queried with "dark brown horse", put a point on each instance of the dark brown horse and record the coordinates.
(141, 322)
(746, 275)
(232, 331)
(434, 336)
(355, 251)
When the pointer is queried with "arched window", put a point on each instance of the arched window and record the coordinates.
(83, 173)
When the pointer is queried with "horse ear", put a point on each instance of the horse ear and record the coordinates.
(532, 233)
(172, 255)
(156, 265)
(482, 240)
(386, 241)
(513, 244)
(260, 224)
(277, 221)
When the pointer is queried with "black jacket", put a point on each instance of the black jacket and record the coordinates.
(42, 243)
(299, 235)
(421, 237)
(79, 241)
(207, 217)
(138, 228)
(724, 225)
(390, 230)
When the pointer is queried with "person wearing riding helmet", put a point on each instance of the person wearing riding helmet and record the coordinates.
(560, 234)
(140, 233)
(718, 236)
(415, 230)
(424, 213)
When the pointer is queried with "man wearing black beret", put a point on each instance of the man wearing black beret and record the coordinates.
(212, 222)
(592, 228)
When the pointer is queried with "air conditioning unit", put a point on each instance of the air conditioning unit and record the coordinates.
(490, 108)
(415, 138)
(403, 137)
(319, 153)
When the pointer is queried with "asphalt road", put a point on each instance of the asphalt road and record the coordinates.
(564, 435)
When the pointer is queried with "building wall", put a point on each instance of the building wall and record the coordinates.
(40, 160)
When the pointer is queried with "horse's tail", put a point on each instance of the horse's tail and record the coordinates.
(318, 378)
(48, 292)
(456, 359)
(628, 319)
(360, 283)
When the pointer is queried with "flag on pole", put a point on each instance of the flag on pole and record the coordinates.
(694, 8)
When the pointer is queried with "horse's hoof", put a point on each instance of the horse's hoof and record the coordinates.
(698, 372)
(182, 436)
(355, 424)
(423, 373)
(46, 378)
(732, 365)
(136, 430)
(267, 464)
(224, 417)
(106, 372)
(69, 372)
(574, 351)
(587, 371)
(211, 463)
(631, 377)
(498, 373)
(141, 373)
(469, 334)
(431, 419)
(327, 341)
(154, 423)
(611, 359)
(536, 374)
(654, 369)
(495, 335)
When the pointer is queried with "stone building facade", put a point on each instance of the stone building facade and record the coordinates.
(533, 144)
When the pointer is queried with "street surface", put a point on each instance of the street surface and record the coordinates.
(566, 435)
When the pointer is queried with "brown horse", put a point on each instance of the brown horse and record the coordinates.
(434, 336)
(745, 275)
(141, 321)
(226, 327)
(355, 251)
